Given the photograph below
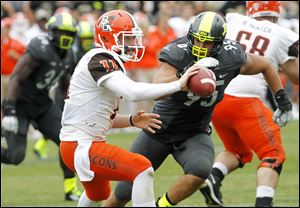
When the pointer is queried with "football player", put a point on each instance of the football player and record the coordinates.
(82, 44)
(96, 87)
(185, 132)
(46, 59)
(242, 121)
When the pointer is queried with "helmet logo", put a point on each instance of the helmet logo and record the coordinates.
(256, 6)
(105, 23)
(203, 36)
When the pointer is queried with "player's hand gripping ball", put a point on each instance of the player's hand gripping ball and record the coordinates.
(203, 83)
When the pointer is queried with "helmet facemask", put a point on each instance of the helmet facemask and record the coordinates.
(62, 30)
(62, 39)
(129, 45)
(203, 52)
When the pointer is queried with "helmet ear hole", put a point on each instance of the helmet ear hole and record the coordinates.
(105, 39)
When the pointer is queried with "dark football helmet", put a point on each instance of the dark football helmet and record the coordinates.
(85, 34)
(207, 27)
(62, 30)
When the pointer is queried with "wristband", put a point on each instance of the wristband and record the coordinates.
(8, 107)
(130, 121)
(178, 74)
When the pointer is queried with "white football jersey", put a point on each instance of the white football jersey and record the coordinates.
(90, 108)
(262, 38)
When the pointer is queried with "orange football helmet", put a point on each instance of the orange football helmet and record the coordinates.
(118, 31)
(263, 8)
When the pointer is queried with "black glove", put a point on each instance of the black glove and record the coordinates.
(283, 114)
(9, 108)
(283, 101)
(10, 120)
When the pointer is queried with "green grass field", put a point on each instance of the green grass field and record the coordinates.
(40, 183)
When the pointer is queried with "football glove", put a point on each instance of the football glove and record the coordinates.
(10, 121)
(283, 113)
(208, 62)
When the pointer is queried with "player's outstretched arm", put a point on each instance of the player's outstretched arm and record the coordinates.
(141, 120)
(168, 73)
(136, 91)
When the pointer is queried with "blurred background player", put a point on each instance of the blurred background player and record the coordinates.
(97, 85)
(83, 42)
(46, 59)
(242, 120)
(185, 132)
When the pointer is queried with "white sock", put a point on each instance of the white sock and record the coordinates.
(84, 201)
(221, 167)
(142, 189)
(264, 191)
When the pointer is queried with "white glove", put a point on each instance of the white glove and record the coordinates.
(208, 62)
(282, 118)
(10, 123)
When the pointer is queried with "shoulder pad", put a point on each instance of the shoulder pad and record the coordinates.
(39, 48)
(232, 54)
(175, 53)
(102, 64)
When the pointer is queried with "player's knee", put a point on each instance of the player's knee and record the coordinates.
(274, 163)
(200, 168)
(123, 191)
(246, 158)
(142, 163)
(100, 195)
(17, 157)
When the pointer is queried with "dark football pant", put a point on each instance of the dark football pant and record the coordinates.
(195, 156)
(48, 123)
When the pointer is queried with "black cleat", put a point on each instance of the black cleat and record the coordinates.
(211, 192)
(72, 196)
(156, 203)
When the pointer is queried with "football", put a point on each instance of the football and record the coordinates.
(203, 83)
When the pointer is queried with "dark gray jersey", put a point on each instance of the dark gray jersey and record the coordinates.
(34, 89)
(183, 113)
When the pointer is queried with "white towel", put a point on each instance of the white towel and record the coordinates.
(82, 161)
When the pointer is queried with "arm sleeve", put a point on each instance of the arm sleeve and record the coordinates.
(137, 91)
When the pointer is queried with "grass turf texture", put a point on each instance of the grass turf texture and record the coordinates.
(40, 183)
